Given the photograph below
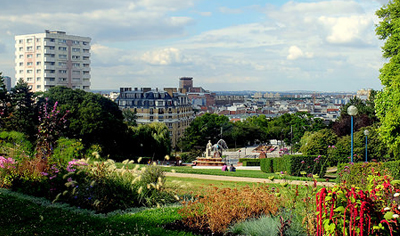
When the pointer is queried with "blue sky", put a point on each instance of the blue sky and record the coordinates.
(326, 45)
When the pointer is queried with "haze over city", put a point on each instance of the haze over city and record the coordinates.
(223, 45)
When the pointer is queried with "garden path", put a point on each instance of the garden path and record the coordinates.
(246, 179)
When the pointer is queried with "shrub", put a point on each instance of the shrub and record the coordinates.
(218, 208)
(67, 150)
(14, 144)
(353, 211)
(102, 187)
(266, 165)
(250, 161)
(357, 173)
(295, 165)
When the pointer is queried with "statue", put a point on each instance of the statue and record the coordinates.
(208, 149)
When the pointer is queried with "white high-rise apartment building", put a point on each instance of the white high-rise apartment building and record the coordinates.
(51, 59)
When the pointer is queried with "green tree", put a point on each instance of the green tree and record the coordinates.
(204, 128)
(5, 104)
(387, 100)
(129, 117)
(24, 111)
(94, 119)
(152, 140)
(317, 142)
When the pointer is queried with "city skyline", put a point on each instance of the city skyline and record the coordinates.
(223, 45)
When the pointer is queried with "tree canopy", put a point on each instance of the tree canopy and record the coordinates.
(388, 99)
(92, 118)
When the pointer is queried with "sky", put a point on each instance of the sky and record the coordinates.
(225, 45)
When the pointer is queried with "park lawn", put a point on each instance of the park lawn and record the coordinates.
(26, 215)
(238, 173)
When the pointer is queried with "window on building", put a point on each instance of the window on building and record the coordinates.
(151, 111)
(29, 48)
(74, 57)
(62, 56)
(76, 49)
(29, 56)
(75, 42)
(62, 71)
(62, 41)
(38, 71)
(76, 64)
(38, 47)
(38, 63)
(52, 40)
(38, 40)
(29, 79)
(62, 48)
(38, 55)
(21, 56)
(76, 72)
(29, 40)
(85, 58)
(85, 65)
(85, 50)
(21, 71)
(20, 49)
(21, 64)
(20, 41)
(38, 86)
(51, 79)
(63, 79)
(62, 63)
(29, 71)
(85, 43)
(85, 87)
(38, 79)
(29, 63)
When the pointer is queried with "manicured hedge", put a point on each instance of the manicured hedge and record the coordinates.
(295, 164)
(357, 173)
(250, 161)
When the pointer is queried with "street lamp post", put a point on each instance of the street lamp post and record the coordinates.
(366, 132)
(352, 111)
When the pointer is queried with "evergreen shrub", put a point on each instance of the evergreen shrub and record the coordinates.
(250, 161)
(357, 173)
(295, 165)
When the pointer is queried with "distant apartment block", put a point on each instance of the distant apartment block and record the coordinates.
(7, 82)
(53, 58)
(153, 105)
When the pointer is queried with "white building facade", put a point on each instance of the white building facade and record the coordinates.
(53, 58)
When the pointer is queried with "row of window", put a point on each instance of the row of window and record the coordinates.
(51, 79)
(60, 41)
(38, 71)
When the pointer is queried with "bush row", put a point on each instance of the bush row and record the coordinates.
(250, 161)
(357, 173)
(295, 165)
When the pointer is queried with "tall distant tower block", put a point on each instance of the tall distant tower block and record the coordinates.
(185, 84)
(51, 59)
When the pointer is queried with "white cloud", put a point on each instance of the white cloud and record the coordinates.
(167, 56)
(346, 29)
(295, 53)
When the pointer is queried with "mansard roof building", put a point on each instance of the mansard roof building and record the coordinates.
(153, 105)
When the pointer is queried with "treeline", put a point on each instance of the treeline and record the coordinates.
(302, 131)
(90, 118)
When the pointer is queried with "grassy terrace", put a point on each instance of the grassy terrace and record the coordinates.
(25, 215)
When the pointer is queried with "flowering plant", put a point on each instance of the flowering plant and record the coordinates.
(353, 211)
